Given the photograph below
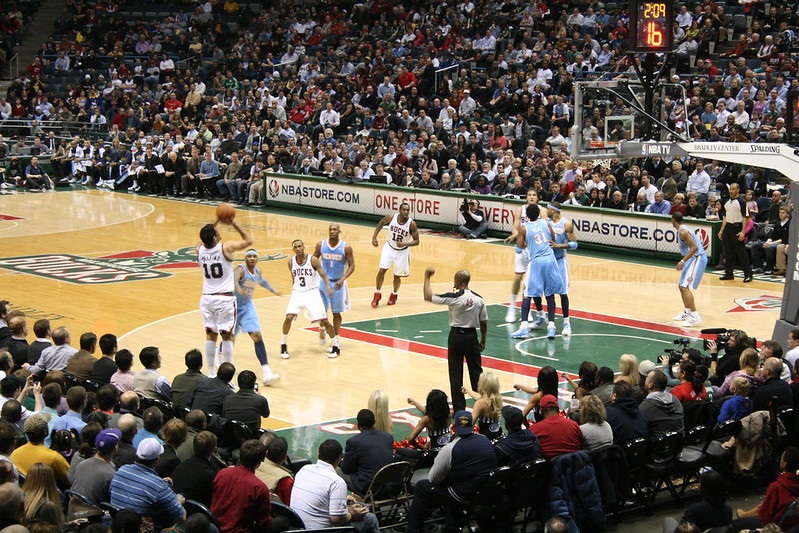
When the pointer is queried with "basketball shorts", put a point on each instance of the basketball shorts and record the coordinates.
(247, 318)
(401, 259)
(692, 271)
(340, 301)
(219, 312)
(544, 278)
(521, 262)
(563, 267)
(309, 300)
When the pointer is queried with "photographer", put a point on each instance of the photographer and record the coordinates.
(734, 342)
(472, 220)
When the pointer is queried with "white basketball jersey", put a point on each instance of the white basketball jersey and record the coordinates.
(217, 270)
(398, 232)
(305, 276)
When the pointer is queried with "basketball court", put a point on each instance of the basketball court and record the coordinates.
(106, 261)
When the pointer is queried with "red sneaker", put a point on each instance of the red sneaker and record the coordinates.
(392, 299)
(376, 299)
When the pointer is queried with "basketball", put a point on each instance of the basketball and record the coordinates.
(225, 212)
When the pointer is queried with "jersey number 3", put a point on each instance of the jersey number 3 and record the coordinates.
(214, 270)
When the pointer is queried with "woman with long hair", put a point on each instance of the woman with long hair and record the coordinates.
(692, 385)
(596, 430)
(749, 362)
(175, 433)
(85, 449)
(40, 496)
(378, 404)
(587, 374)
(547, 384)
(628, 369)
(436, 419)
(487, 408)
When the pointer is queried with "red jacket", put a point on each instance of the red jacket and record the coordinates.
(779, 495)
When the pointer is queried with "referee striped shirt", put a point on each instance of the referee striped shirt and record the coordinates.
(139, 488)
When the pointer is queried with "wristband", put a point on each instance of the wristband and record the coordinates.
(714, 357)
(518, 250)
(572, 245)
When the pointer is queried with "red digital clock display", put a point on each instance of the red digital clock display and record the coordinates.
(651, 26)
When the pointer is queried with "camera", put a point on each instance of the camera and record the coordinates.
(465, 205)
(676, 355)
(722, 338)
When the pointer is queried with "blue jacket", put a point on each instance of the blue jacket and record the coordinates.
(574, 493)
(735, 408)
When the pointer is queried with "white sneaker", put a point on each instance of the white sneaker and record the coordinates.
(284, 352)
(86, 181)
(110, 184)
(72, 179)
(551, 331)
(132, 187)
(3, 185)
(270, 378)
(537, 322)
(567, 329)
(682, 316)
(693, 320)
(510, 316)
(521, 333)
(334, 352)
(137, 188)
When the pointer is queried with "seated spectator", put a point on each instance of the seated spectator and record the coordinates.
(122, 379)
(152, 422)
(365, 454)
(80, 365)
(604, 385)
(175, 433)
(128, 404)
(246, 405)
(692, 385)
(149, 383)
(84, 447)
(664, 412)
(240, 501)
(184, 385)
(8, 442)
(57, 356)
(456, 474)
(593, 425)
(739, 405)
(487, 406)
(42, 501)
(136, 486)
(126, 451)
(772, 386)
(76, 400)
(105, 367)
(556, 434)
(779, 495)
(210, 394)
(194, 477)
(41, 328)
(18, 344)
(11, 415)
(11, 509)
(626, 421)
(278, 478)
(749, 363)
(772, 348)
(34, 451)
(520, 445)
(92, 477)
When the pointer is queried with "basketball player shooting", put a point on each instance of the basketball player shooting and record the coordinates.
(218, 301)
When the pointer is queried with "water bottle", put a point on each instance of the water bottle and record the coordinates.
(106, 520)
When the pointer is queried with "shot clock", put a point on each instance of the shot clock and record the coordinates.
(651, 25)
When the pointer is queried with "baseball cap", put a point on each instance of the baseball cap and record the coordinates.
(107, 439)
(149, 450)
(463, 423)
(514, 419)
(548, 400)
(646, 367)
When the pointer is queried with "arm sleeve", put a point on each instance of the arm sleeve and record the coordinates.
(441, 465)
(338, 499)
(283, 489)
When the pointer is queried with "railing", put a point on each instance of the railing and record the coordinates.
(13, 67)
(440, 75)
(63, 128)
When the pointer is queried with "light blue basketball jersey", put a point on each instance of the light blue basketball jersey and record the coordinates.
(538, 237)
(560, 237)
(700, 249)
(334, 260)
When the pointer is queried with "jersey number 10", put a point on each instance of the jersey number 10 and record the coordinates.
(214, 270)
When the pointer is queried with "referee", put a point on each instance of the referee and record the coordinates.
(467, 311)
(732, 234)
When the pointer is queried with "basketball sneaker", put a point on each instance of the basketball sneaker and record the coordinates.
(537, 322)
(268, 375)
(510, 316)
(284, 352)
(392, 299)
(521, 333)
(682, 316)
(693, 320)
(376, 299)
(132, 188)
(334, 352)
(567, 329)
(551, 331)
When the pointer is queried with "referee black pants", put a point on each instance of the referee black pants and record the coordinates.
(734, 250)
(462, 343)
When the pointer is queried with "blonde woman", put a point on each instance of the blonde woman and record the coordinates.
(487, 408)
(628, 369)
(593, 424)
(378, 404)
(41, 499)
(749, 363)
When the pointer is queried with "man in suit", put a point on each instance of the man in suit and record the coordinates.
(773, 386)
(41, 328)
(366, 453)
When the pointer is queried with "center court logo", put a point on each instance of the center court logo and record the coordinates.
(135, 265)
(274, 188)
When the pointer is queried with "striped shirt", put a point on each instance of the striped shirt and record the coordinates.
(139, 488)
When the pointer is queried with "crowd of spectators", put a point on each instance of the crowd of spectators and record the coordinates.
(73, 419)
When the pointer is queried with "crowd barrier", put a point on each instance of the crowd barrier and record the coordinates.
(604, 229)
